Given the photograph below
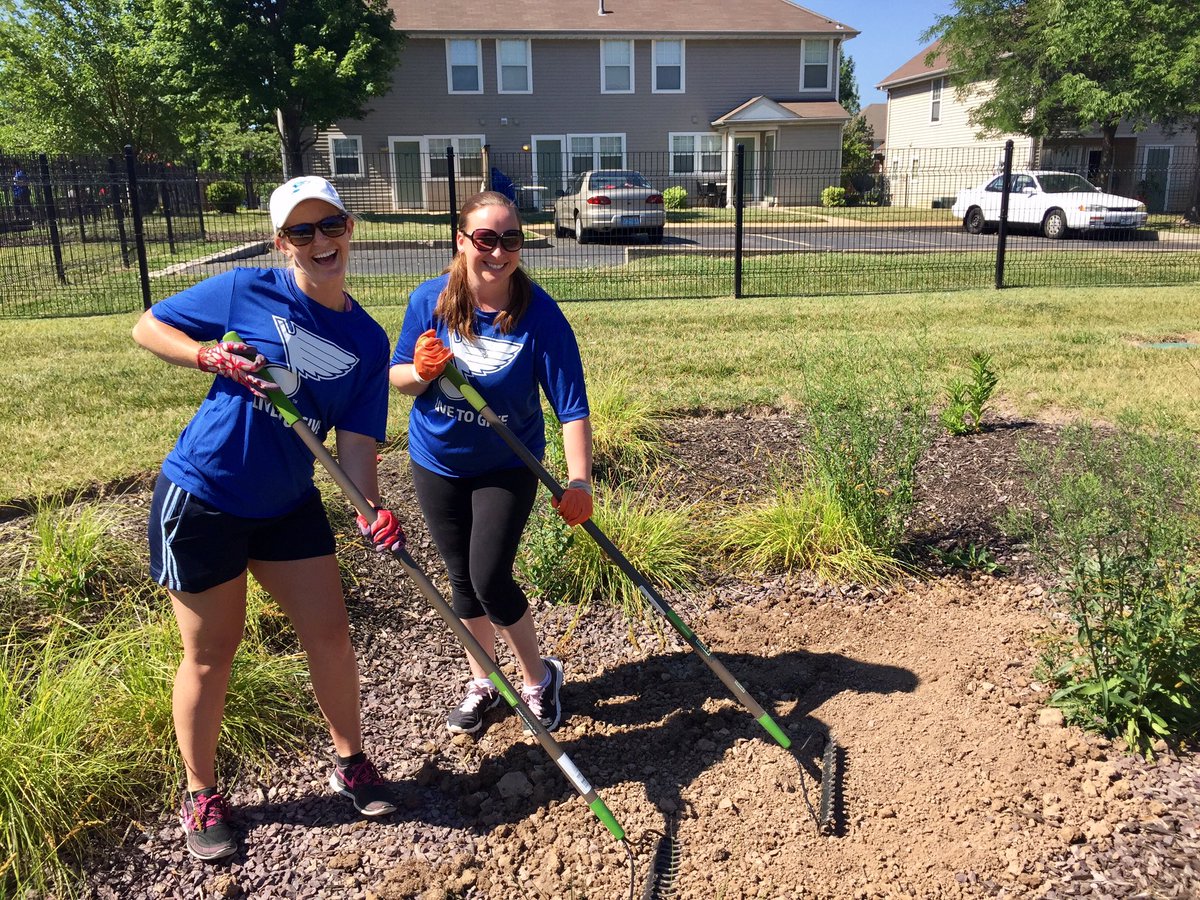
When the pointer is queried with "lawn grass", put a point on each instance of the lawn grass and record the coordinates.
(105, 409)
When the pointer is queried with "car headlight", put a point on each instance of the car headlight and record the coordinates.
(1141, 207)
(1091, 207)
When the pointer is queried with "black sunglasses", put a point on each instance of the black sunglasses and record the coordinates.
(485, 239)
(331, 226)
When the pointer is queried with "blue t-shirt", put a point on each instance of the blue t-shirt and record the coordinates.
(236, 453)
(445, 435)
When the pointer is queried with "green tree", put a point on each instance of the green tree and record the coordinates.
(848, 86)
(1045, 67)
(857, 135)
(301, 65)
(85, 76)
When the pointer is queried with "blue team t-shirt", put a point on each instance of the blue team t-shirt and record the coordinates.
(236, 453)
(445, 435)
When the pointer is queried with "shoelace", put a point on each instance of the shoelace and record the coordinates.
(361, 774)
(533, 697)
(208, 811)
(477, 695)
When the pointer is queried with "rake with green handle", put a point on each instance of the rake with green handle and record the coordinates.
(291, 416)
(644, 587)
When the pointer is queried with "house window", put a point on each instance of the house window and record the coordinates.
(468, 156)
(596, 151)
(935, 99)
(691, 153)
(817, 65)
(513, 73)
(345, 155)
(464, 68)
(616, 67)
(668, 67)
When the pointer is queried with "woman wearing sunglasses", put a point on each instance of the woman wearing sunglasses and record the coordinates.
(510, 339)
(236, 494)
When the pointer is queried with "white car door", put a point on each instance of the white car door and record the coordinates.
(1026, 203)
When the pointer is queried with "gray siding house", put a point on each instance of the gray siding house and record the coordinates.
(555, 87)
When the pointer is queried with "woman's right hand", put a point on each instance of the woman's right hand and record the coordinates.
(430, 357)
(236, 361)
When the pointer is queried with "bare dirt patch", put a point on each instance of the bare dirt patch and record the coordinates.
(957, 781)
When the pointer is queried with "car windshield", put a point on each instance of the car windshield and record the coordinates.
(607, 181)
(1066, 183)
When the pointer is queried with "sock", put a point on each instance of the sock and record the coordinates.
(203, 792)
(545, 682)
(345, 761)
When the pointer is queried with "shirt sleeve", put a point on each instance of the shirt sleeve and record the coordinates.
(560, 368)
(418, 318)
(368, 415)
(201, 311)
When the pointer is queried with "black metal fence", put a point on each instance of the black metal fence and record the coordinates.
(786, 223)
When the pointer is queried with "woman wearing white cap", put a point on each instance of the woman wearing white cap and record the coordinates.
(236, 494)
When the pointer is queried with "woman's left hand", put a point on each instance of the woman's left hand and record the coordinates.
(575, 505)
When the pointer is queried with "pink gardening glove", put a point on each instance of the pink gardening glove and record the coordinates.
(229, 358)
(384, 533)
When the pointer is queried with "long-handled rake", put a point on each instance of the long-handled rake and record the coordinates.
(291, 416)
(653, 597)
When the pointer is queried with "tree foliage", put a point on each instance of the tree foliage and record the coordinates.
(1049, 67)
(301, 64)
(85, 76)
(857, 135)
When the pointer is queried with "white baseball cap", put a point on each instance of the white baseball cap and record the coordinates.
(307, 187)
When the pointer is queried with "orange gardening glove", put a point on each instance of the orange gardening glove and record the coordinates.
(575, 504)
(430, 357)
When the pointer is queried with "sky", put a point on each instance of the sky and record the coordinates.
(890, 35)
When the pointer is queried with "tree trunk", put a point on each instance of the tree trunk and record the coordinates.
(291, 147)
(1193, 208)
(1108, 149)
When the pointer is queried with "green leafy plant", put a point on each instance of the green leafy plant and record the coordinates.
(675, 197)
(802, 527)
(971, 557)
(1116, 513)
(627, 435)
(869, 426)
(225, 196)
(966, 400)
(833, 196)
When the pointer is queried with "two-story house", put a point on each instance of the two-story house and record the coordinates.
(555, 87)
(933, 150)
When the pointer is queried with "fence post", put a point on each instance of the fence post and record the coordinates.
(52, 217)
(1002, 229)
(453, 201)
(114, 196)
(487, 168)
(199, 198)
(164, 191)
(739, 206)
(139, 234)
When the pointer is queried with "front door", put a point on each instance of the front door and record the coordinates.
(751, 178)
(548, 166)
(406, 173)
(1156, 175)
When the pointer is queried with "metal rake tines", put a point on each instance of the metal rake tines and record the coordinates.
(830, 772)
(660, 883)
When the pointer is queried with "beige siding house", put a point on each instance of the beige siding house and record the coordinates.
(549, 88)
(933, 151)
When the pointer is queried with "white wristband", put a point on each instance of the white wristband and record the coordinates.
(417, 375)
(581, 485)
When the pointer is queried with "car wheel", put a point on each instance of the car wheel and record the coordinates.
(974, 222)
(655, 235)
(1054, 226)
(582, 235)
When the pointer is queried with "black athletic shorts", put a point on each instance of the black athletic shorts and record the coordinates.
(194, 547)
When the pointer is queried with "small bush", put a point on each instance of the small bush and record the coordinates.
(1115, 516)
(966, 401)
(833, 196)
(675, 197)
(627, 435)
(225, 196)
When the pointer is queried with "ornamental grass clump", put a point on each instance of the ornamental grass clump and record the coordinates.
(1115, 515)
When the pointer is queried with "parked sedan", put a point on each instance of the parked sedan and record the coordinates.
(609, 201)
(1052, 202)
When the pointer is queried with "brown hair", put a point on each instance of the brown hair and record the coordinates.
(456, 303)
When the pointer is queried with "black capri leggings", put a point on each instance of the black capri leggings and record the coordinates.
(476, 524)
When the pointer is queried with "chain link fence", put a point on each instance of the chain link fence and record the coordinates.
(754, 223)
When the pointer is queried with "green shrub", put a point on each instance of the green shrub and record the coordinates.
(675, 197)
(627, 435)
(966, 401)
(1115, 515)
(833, 196)
(225, 196)
(870, 425)
(802, 527)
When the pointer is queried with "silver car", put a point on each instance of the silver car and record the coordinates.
(609, 201)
